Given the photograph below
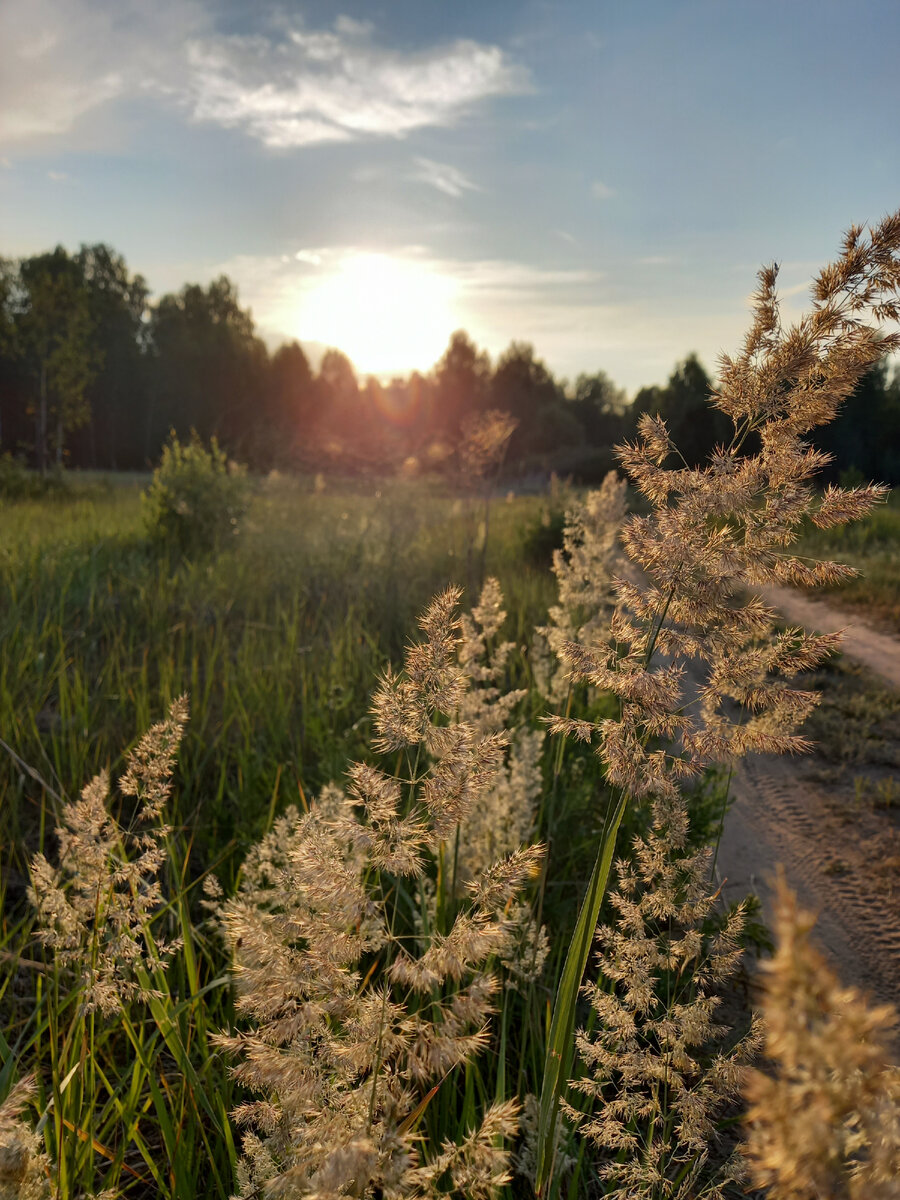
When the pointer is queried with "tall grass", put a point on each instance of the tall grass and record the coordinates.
(369, 949)
(277, 640)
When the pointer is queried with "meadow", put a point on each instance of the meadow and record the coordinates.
(278, 639)
(407, 887)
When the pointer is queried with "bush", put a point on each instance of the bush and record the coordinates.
(196, 498)
(18, 483)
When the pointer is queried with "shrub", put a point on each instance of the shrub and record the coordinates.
(18, 483)
(196, 498)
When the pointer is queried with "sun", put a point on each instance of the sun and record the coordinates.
(388, 315)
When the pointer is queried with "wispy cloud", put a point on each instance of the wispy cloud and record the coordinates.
(60, 59)
(601, 191)
(444, 177)
(300, 86)
(287, 86)
(57, 176)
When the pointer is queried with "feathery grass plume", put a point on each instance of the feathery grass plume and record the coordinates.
(504, 819)
(484, 439)
(713, 532)
(652, 1070)
(585, 569)
(94, 909)
(360, 994)
(826, 1120)
(25, 1172)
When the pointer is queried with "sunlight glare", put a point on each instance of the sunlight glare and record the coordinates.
(386, 314)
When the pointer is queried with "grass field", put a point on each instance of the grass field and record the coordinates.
(279, 640)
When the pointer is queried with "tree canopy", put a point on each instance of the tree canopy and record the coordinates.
(92, 373)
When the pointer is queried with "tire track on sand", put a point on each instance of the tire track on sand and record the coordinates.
(780, 817)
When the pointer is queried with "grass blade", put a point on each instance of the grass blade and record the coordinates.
(561, 1044)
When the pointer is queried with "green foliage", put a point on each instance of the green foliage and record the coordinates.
(543, 536)
(196, 499)
(18, 483)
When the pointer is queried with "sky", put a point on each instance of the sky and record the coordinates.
(602, 180)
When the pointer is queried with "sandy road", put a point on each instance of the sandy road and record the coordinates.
(878, 651)
(834, 860)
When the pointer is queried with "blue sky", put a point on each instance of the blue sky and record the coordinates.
(600, 179)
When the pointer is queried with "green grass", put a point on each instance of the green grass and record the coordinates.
(873, 547)
(279, 640)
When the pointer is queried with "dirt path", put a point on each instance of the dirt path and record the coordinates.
(841, 855)
(878, 651)
(781, 817)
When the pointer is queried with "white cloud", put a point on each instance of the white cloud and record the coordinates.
(656, 260)
(289, 87)
(444, 177)
(57, 176)
(600, 190)
(308, 86)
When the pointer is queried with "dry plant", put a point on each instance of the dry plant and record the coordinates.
(504, 819)
(95, 908)
(506, 815)
(484, 440)
(655, 1077)
(364, 979)
(826, 1120)
(712, 533)
(585, 569)
(25, 1172)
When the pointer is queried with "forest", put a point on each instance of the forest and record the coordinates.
(95, 374)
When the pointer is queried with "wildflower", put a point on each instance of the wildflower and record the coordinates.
(826, 1120)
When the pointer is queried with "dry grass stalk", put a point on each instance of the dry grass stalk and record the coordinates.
(25, 1172)
(364, 979)
(716, 531)
(585, 570)
(712, 533)
(653, 1072)
(95, 908)
(826, 1120)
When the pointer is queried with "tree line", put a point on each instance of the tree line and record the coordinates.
(92, 374)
